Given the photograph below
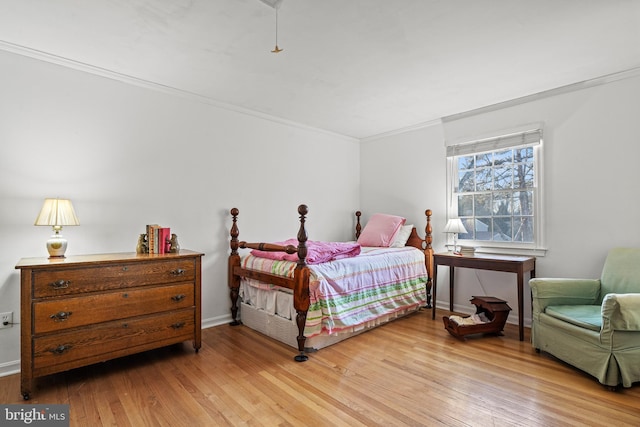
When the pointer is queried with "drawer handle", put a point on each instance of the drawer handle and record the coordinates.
(178, 298)
(177, 272)
(60, 349)
(178, 325)
(61, 316)
(60, 284)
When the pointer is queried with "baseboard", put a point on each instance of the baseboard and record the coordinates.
(9, 368)
(216, 321)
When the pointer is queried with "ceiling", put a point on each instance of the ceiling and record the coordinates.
(358, 68)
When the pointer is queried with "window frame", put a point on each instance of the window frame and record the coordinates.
(526, 137)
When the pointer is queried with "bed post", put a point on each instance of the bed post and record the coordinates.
(358, 226)
(301, 292)
(234, 261)
(428, 254)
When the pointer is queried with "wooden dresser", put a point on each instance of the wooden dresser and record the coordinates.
(86, 309)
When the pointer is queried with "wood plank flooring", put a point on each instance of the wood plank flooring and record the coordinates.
(408, 372)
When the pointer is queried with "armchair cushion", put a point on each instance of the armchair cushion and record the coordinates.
(584, 316)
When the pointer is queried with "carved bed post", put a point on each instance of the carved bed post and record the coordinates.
(301, 292)
(358, 226)
(428, 253)
(234, 261)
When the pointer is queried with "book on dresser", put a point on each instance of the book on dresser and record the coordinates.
(85, 309)
(158, 239)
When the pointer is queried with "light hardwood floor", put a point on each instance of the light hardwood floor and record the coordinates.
(408, 372)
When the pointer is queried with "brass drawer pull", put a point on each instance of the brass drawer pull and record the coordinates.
(178, 325)
(60, 284)
(61, 316)
(178, 298)
(60, 349)
(177, 272)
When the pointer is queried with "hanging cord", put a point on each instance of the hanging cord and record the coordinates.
(276, 49)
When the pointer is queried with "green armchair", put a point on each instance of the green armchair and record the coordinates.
(593, 324)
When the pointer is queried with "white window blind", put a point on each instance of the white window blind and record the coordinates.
(532, 137)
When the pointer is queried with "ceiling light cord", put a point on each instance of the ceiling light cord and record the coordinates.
(276, 49)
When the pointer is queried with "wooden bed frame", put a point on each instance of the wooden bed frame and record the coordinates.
(299, 283)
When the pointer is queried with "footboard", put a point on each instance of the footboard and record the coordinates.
(299, 283)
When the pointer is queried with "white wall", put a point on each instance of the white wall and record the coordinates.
(591, 152)
(405, 175)
(71, 134)
(128, 156)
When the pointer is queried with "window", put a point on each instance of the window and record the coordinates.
(494, 190)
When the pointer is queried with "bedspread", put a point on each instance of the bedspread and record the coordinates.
(348, 292)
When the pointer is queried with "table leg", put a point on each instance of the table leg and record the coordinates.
(434, 291)
(451, 270)
(520, 304)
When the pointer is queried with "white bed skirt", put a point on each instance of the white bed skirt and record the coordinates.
(271, 313)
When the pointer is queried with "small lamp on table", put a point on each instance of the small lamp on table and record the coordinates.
(57, 213)
(455, 226)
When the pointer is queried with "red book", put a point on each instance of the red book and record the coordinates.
(164, 240)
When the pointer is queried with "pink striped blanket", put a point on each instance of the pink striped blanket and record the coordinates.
(317, 252)
(353, 291)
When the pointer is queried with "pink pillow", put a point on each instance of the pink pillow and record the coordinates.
(380, 230)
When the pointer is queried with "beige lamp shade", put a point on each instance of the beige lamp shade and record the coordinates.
(454, 225)
(57, 213)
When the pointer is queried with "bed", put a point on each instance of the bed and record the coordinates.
(287, 291)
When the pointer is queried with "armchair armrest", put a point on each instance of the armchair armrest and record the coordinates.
(563, 291)
(621, 312)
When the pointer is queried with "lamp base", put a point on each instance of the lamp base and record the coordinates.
(57, 246)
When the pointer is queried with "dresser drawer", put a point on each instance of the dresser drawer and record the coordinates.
(121, 337)
(67, 281)
(65, 313)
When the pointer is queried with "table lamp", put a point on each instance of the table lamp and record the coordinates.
(455, 226)
(57, 213)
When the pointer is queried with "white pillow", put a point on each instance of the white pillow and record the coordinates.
(401, 238)
(380, 230)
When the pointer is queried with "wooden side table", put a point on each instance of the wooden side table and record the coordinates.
(512, 264)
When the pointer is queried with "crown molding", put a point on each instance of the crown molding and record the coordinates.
(609, 78)
(598, 81)
(402, 130)
(124, 78)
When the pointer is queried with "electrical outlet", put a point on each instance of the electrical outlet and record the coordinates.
(6, 319)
